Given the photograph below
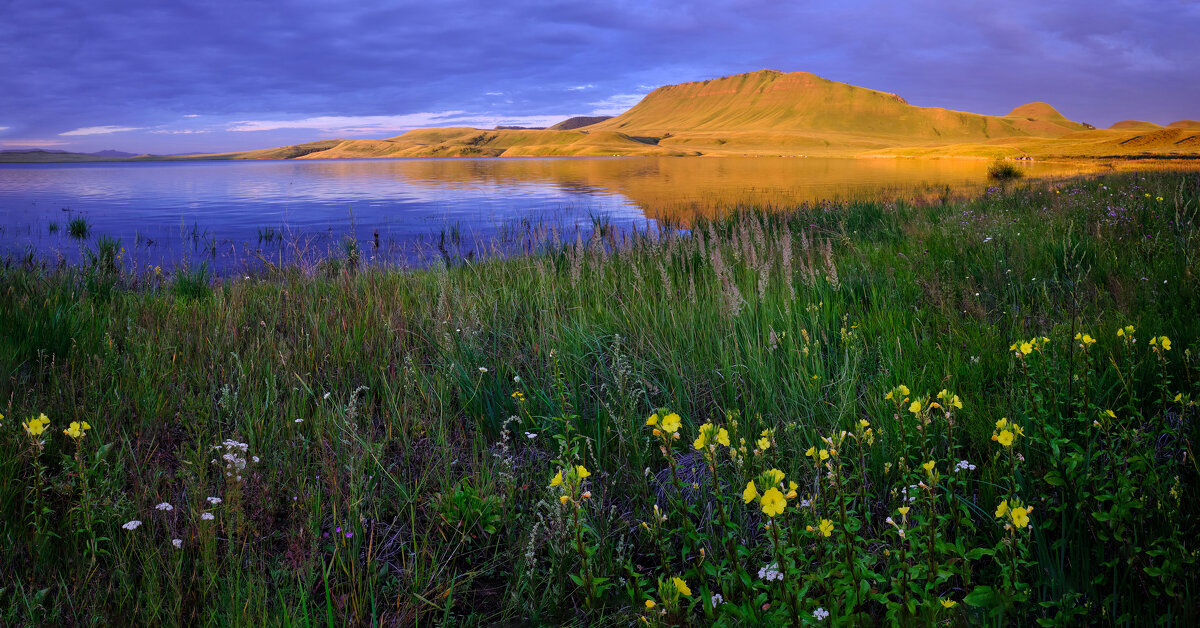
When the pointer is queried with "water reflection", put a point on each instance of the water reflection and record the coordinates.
(233, 213)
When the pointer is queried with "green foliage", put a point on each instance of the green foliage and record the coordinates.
(78, 228)
(399, 433)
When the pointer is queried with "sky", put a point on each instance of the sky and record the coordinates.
(181, 76)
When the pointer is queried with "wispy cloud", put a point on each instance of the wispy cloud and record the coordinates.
(381, 124)
(616, 104)
(578, 88)
(33, 143)
(191, 115)
(3, 128)
(101, 130)
(180, 131)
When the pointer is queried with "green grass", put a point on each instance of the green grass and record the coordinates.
(390, 476)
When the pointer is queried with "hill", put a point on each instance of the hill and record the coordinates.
(578, 122)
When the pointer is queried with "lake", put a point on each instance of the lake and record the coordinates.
(234, 215)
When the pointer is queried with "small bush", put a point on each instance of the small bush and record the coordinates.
(1004, 171)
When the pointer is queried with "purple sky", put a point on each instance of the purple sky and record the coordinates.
(172, 76)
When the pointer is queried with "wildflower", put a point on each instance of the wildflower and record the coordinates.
(963, 465)
(792, 486)
(915, 406)
(1126, 331)
(948, 603)
(652, 420)
(773, 477)
(558, 479)
(763, 443)
(349, 534)
(214, 500)
(681, 586)
(773, 502)
(928, 466)
(1026, 348)
(820, 614)
(77, 430)
(770, 572)
(518, 396)
(950, 399)
(670, 423)
(1020, 516)
(1110, 414)
(165, 506)
(131, 525)
(650, 604)
(1005, 438)
(483, 369)
(903, 510)
(1162, 340)
(178, 543)
(581, 472)
(564, 499)
(206, 516)
(586, 494)
(530, 435)
(1002, 509)
(716, 599)
(35, 427)
(826, 527)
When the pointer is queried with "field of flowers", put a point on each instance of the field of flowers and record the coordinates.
(952, 413)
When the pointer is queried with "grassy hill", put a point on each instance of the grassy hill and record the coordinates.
(775, 113)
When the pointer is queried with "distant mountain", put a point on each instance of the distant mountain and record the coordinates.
(577, 122)
(113, 153)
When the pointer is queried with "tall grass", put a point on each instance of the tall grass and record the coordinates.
(398, 432)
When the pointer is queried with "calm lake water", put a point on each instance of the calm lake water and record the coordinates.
(232, 215)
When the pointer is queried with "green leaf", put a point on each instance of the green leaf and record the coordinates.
(982, 597)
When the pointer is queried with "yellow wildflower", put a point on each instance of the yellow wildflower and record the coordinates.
(751, 492)
(810, 452)
(681, 586)
(1001, 423)
(650, 604)
(1110, 414)
(1026, 348)
(1002, 509)
(1020, 516)
(564, 499)
(863, 424)
(915, 406)
(824, 454)
(558, 479)
(1005, 438)
(773, 502)
(581, 472)
(826, 527)
(78, 429)
(903, 510)
(773, 477)
(670, 423)
(723, 437)
(792, 486)
(952, 603)
(653, 420)
(928, 466)
(35, 427)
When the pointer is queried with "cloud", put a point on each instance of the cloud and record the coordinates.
(4, 128)
(378, 124)
(33, 143)
(616, 104)
(180, 131)
(577, 88)
(191, 115)
(101, 130)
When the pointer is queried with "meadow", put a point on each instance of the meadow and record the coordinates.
(953, 412)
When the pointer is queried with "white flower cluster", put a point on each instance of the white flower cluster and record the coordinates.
(132, 525)
(234, 458)
(821, 614)
(214, 500)
(716, 599)
(770, 572)
(165, 506)
(963, 465)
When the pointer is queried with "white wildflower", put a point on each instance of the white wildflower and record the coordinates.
(178, 543)
(821, 614)
(208, 516)
(132, 525)
(165, 506)
(214, 500)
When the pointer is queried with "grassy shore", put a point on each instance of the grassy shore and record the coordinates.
(966, 412)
